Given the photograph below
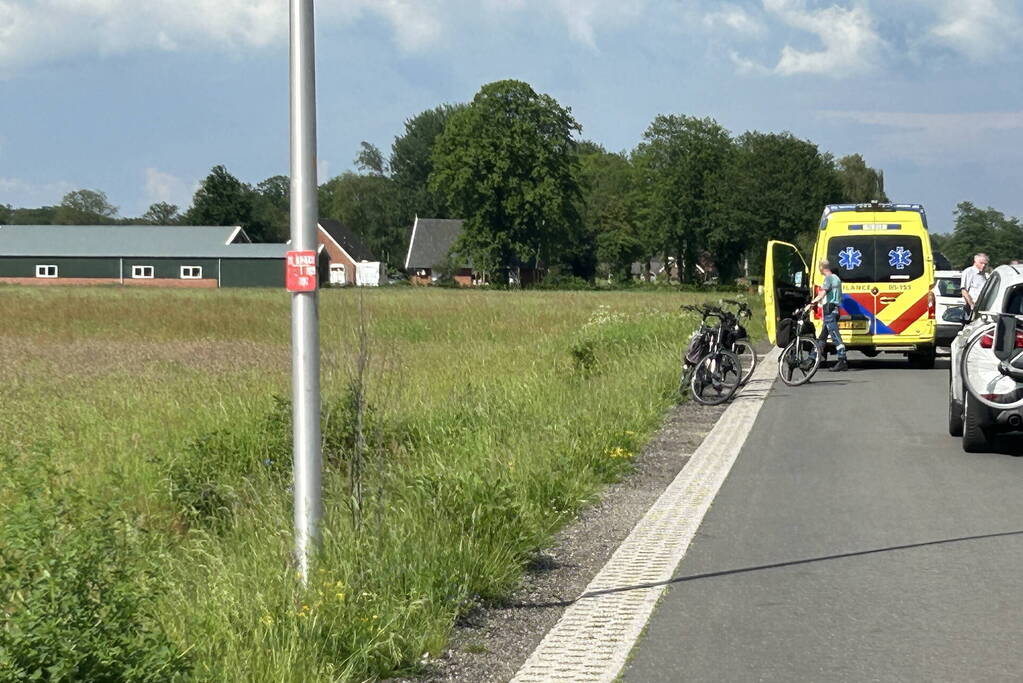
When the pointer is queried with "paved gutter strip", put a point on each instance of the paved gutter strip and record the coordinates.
(593, 639)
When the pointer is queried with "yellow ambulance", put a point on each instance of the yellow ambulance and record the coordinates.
(882, 253)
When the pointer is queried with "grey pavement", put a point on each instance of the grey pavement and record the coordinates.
(900, 556)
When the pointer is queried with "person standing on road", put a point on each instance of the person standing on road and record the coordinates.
(830, 300)
(973, 280)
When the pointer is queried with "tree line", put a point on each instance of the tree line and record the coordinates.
(533, 192)
(981, 231)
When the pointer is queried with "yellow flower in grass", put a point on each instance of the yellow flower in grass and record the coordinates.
(619, 453)
(340, 597)
(267, 620)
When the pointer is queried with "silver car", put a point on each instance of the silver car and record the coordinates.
(986, 383)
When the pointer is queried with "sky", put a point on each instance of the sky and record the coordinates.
(140, 98)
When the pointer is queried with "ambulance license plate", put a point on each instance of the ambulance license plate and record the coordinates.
(853, 325)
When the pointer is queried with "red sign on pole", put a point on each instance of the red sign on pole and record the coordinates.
(300, 273)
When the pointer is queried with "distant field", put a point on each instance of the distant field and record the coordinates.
(144, 469)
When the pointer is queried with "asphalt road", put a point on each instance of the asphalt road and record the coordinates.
(901, 556)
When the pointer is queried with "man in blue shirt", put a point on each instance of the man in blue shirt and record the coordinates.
(830, 299)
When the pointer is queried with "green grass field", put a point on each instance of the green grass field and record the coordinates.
(145, 511)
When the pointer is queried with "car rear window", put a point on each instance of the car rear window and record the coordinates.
(876, 258)
(1014, 301)
(949, 286)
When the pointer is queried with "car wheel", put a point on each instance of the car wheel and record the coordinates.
(924, 358)
(955, 414)
(976, 437)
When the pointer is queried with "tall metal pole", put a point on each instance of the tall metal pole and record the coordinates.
(305, 324)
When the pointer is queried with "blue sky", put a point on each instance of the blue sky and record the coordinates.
(139, 98)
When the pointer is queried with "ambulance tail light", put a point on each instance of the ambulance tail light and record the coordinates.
(817, 309)
(930, 305)
(988, 341)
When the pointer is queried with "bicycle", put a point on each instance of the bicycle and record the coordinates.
(741, 345)
(717, 375)
(802, 356)
(699, 344)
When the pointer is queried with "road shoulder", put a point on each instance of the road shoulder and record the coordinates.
(491, 643)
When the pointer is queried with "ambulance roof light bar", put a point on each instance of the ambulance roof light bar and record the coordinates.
(874, 205)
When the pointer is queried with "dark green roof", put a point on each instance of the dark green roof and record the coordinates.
(146, 241)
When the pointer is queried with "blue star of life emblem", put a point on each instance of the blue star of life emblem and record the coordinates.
(899, 258)
(850, 258)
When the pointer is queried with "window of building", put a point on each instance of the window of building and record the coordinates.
(142, 272)
(46, 271)
(191, 272)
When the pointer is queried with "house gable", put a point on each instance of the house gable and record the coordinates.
(431, 242)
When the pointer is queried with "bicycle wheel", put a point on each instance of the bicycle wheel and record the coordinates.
(686, 377)
(799, 361)
(747, 358)
(716, 378)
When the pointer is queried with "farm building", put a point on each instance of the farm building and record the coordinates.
(162, 255)
(351, 262)
(429, 256)
(429, 252)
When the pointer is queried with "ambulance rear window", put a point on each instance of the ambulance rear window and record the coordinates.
(876, 258)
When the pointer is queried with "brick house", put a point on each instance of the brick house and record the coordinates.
(350, 260)
(429, 252)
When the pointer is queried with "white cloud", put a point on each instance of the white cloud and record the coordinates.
(850, 40)
(33, 31)
(166, 187)
(583, 18)
(735, 19)
(747, 66)
(41, 30)
(979, 29)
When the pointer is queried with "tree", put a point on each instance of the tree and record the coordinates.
(678, 165)
(983, 231)
(6, 213)
(776, 188)
(507, 165)
(368, 205)
(271, 213)
(618, 241)
(860, 183)
(222, 199)
(412, 162)
(610, 230)
(85, 207)
(161, 213)
(371, 160)
(44, 215)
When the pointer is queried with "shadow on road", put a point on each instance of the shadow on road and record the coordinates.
(882, 363)
(1006, 444)
(763, 567)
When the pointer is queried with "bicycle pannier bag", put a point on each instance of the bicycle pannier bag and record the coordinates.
(786, 332)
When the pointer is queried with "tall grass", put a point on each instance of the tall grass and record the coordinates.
(490, 419)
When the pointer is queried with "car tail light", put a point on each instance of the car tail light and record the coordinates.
(930, 305)
(988, 341)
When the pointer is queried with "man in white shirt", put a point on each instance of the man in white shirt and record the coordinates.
(973, 280)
